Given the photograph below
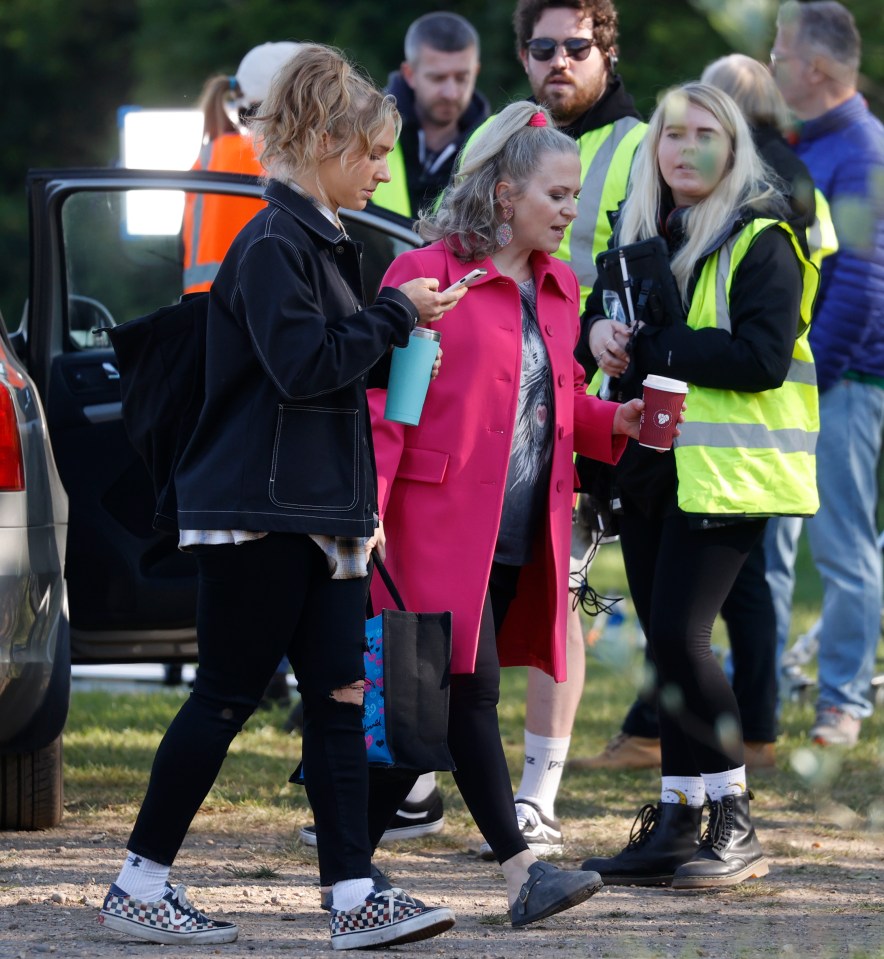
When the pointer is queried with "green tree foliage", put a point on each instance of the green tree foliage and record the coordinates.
(66, 66)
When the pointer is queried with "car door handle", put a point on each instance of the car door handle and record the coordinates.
(111, 372)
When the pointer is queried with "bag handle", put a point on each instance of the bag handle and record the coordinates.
(388, 581)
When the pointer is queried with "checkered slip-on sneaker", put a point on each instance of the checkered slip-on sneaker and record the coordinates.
(171, 919)
(388, 917)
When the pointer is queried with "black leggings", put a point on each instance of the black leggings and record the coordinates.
(679, 578)
(482, 774)
(748, 613)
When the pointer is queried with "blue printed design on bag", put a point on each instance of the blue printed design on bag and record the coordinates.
(373, 723)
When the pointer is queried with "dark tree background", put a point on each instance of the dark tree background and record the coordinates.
(66, 66)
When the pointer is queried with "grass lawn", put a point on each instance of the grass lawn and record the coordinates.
(110, 741)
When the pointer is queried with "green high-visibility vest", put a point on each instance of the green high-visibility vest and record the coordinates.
(605, 161)
(394, 195)
(821, 237)
(750, 454)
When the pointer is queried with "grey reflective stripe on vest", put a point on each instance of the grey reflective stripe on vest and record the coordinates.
(204, 273)
(722, 306)
(815, 236)
(589, 206)
(801, 371)
(747, 436)
(196, 224)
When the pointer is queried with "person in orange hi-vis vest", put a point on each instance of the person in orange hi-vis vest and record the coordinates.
(211, 221)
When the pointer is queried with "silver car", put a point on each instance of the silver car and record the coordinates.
(84, 576)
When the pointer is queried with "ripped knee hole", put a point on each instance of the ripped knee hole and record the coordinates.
(349, 694)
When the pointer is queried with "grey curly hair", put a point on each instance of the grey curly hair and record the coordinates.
(506, 148)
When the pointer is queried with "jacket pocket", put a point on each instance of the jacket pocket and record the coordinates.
(315, 458)
(422, 466)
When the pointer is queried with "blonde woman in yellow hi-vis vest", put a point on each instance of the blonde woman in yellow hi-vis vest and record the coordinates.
(749, 614)
(691, 516)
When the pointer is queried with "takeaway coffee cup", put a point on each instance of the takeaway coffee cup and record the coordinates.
(663, 401)
(410, 376)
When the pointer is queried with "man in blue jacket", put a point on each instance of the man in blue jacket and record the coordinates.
(815, 60)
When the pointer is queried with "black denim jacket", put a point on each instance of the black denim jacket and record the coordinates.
(283, 442)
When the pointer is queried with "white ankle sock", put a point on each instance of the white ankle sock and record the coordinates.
(422, 789)
(143, 878)
(687, 790)
(544, 763)
(350, 893)
(732, 782)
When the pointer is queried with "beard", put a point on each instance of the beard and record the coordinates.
(567, 102)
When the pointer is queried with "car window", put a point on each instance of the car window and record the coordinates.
(114, 274)
(379, 249)
(120, 263)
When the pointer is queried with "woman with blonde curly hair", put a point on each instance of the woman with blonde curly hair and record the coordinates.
(277, 500)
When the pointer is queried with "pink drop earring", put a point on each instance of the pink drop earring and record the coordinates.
(504, 233)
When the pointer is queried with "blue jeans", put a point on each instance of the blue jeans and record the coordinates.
(780, 549)
(843, 541)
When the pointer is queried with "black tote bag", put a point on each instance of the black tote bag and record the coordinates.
(407, 661)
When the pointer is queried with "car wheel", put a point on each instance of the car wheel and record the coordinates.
(31, 788)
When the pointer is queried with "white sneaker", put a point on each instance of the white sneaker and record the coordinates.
(543, 835)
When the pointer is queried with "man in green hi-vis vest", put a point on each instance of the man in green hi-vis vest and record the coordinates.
(435, 91)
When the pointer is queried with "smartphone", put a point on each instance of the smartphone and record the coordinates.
(467, 280)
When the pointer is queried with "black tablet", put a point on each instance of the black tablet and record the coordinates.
(640, 274)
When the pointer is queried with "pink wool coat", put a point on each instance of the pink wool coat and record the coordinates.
(441, 483)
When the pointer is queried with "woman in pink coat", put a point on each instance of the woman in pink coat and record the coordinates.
(476, 500)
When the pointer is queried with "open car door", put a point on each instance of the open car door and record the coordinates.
(105, 249)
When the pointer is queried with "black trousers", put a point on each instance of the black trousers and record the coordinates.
(258, 602)
(482, 774)
(748, 613)
(680, 578)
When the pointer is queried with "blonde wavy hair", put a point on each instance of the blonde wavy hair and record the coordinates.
(506, 148)
(746, 182)
(318, 92)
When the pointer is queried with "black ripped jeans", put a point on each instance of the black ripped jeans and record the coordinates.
(258, 602)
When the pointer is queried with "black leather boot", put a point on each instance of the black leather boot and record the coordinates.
(662, 838)
(729, 851)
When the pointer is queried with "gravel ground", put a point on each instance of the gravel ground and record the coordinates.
(822, 898)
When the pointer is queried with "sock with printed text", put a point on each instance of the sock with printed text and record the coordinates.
(544, 763)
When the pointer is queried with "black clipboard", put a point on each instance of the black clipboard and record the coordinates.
(640, 275)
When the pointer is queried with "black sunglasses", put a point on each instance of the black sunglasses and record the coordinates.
(544, 48)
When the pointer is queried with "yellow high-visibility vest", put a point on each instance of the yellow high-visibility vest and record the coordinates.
(394, 195)
(750, 454)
